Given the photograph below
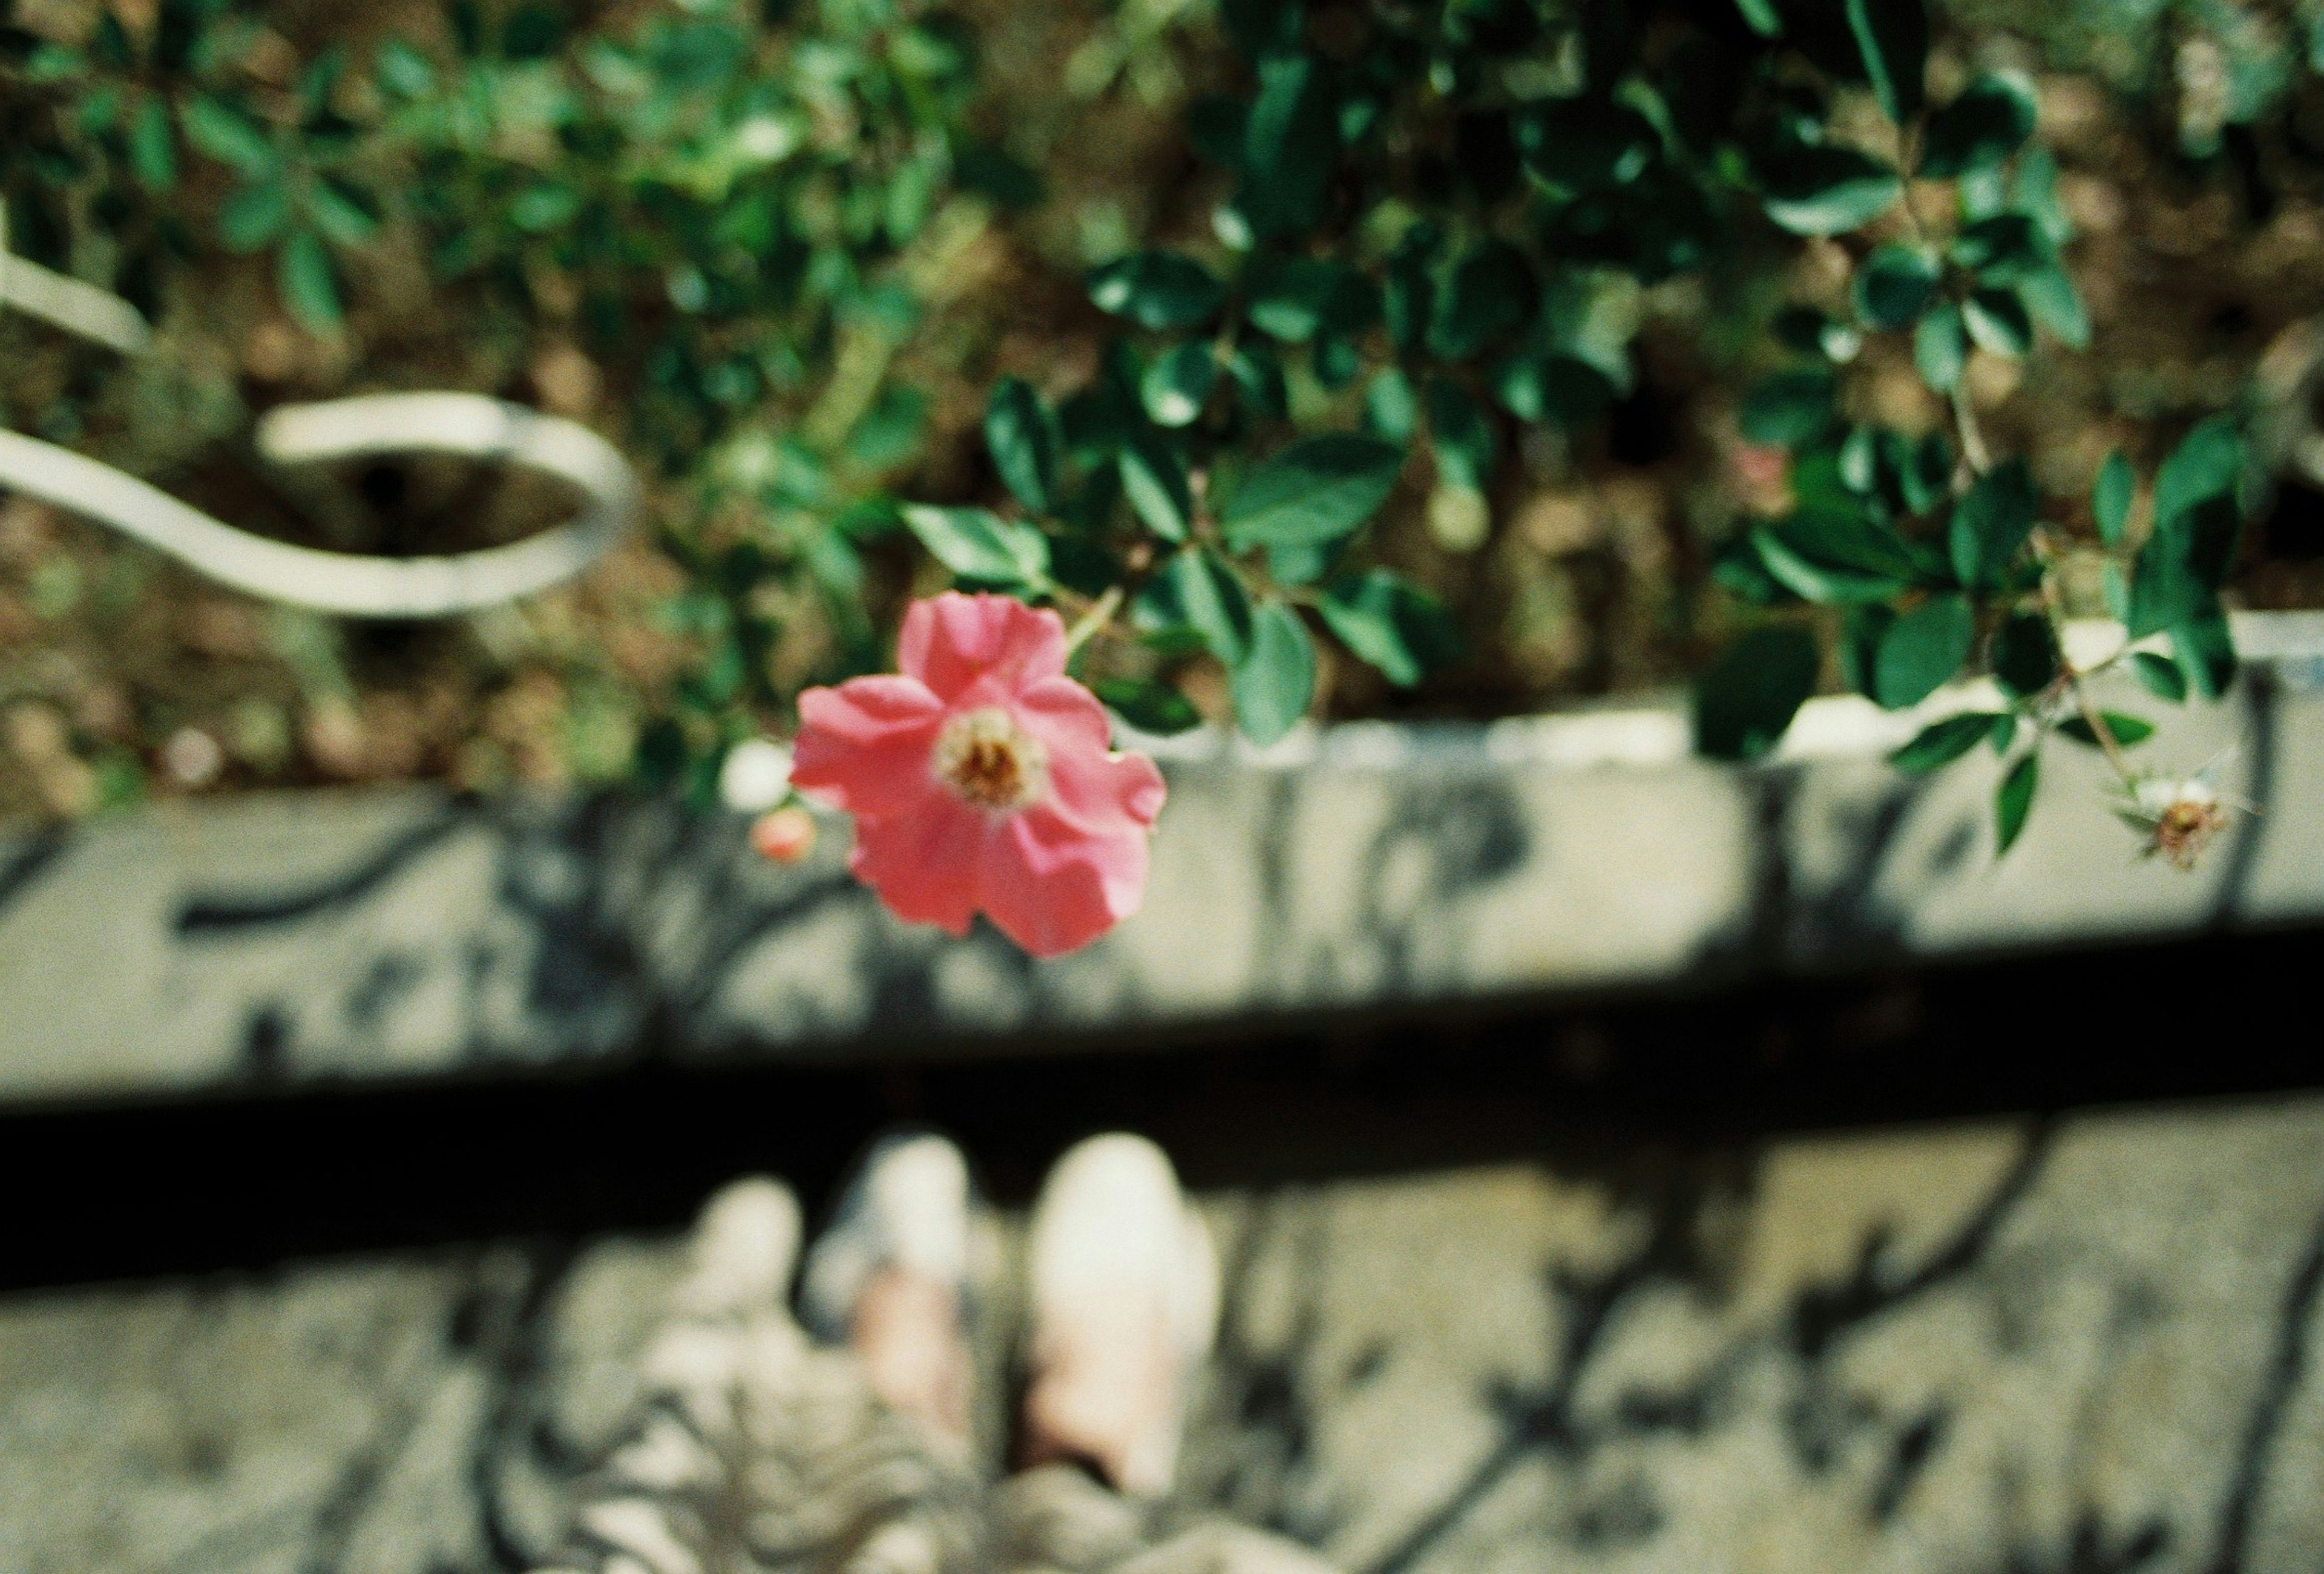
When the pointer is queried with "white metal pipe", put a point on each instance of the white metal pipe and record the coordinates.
(342, 429)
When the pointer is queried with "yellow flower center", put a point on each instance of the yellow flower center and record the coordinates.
(2182, 830)
(986, 758)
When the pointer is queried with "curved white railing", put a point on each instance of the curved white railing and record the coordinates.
(345, 583)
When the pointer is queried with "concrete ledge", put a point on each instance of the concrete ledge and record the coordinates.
(384, 935)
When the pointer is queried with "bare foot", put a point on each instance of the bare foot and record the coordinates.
(907, 1330)
(1099, 1389)
(1125, 1302)
(890, 1277)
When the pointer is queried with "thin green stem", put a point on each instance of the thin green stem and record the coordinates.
(2092, 717)
(1100, 613)
(1972, 440)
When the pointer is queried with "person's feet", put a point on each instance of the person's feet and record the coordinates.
(744, 1247)
(1124, 1297)
(890, 1277)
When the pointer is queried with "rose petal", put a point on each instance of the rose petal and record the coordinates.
(925, 864)
(864, 746)
(1065, 716)
(951, 640)
(1105, 795)
(1053, 887)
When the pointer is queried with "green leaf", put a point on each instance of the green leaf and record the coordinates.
(1921, 650)
(2051, 297)
(2002, 249)
(1297, 564)
(1924, 472)
(344, 215)
(1156, 289)
(403, 71)
(2181, 566)
(1572, 147)
(153, 147)
(543, 207)
(1276, 682)
(1748, 698)
(889, 432)
(979, 545)
(1294, 300)
(1990, 524)
(1491, 293)
(98, 110)
(1408, 287)
(1940, 347)
(1981, 193)
(1391, 407)
(2033, 190)
(2206, 647)
(2013, 800)
(1336, 361)
(1178, 383)
(226, 137)
(1807, 330)
(2005, 732)
(1861, 627)
(992, 172)
(1760, 17)
(2110, 497)
(254, 216)
(2159, 677)
(1824, 189)
(1559, 389)
(1154, 478)
(1020, 432)
(309, 281)
(2207, 463)
(1288, 303)
(50, 63)
(1148, 705)
(1998, 320)
(110, 43)
(1314, 491)
(1391, 623)
(1211, 596)
(1460, 434)
(1835, 556)
(1895, 284)
(1291, 145)
(1792, 408)
(1976, 132)
(1262, 27)
(1259, 375)
(2128, 731)
(2025, 653)
(1940, 743)
(1893, 37)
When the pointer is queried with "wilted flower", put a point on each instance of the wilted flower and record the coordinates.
(982, 780)
(2178, 816)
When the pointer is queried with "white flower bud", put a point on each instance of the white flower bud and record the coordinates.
(754, 777)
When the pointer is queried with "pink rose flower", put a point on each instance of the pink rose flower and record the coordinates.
(981, 779)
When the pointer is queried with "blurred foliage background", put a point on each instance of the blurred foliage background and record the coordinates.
(805, 261)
